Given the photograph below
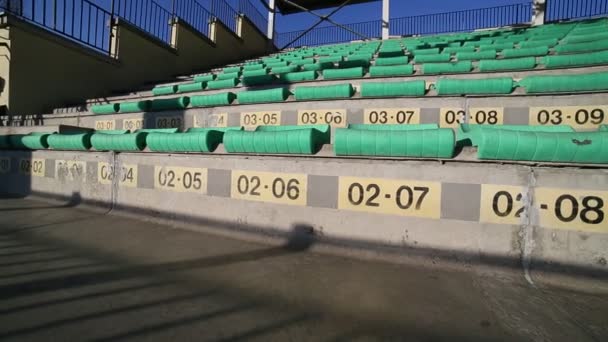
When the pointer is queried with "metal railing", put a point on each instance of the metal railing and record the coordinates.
(147, 15)
(574, 9)
(194, 14)
(224, 13)
(78, 20)
(330, 34)
(460, 21)
(258, 19)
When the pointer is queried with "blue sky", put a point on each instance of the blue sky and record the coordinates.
(373, 11)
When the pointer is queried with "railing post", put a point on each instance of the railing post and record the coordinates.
(385, 19)
(538, 15)
(271, 14)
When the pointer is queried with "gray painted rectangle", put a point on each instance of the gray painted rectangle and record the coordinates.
(49, 168)
(289, 118)
(322, 191)
(91, 173)
(218, 182)
(516, 116)
(460, 201)
(429, 115)
(355, 116)
(145, 176)
(234, 119)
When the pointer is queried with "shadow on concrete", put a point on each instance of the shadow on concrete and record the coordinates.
(74, 200)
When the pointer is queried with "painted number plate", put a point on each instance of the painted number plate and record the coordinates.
(392, 116)
(180, 179)
(502, 204)
(390, 196)
(32, 167)
(280, 188)
(169, 122)
(452, 117)
(132, 124)
(265, 118)
(575, 116)
(583, 210)
(70, 170)
(332, 117)
(105, 125)
(127, 174)
(213, 120)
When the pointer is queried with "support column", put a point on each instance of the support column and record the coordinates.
(538, 10)
(271, 14)
(385, 19)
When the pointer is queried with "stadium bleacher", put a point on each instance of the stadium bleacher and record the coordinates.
(551, 59)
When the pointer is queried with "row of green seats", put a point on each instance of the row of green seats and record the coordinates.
(444, 86)
(558, 144)
(213, 100)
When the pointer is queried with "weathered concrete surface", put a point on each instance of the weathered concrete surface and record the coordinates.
(69, 274)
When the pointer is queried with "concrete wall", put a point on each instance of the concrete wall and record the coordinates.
(46, 69)
(455, 218)
(49, 71)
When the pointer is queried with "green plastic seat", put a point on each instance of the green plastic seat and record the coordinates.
(285, 69)
(223, 84)
(164, 90)
(586, 148)
(191, 87)
(437, 58)
(71, 142)
(393, 89)
(228, 76)
(110, 108)
(194, 140)
(334, 74)
(263, 96)
(169, 104)
(337, 91)
(405, 142)
(301, 76)
(134, 107)
(447, 68)
(576, 60)
(278, 140)
(256, 72)
(399, 60)
(31, 141)
(204, 78)
(501, 85)
(118, 141)
(469, 135)
(392, 70)
(221, 99)
(484, 54)
(581, 47)
(565, 83)
(522, 63)
(526, 52)
(258, 80)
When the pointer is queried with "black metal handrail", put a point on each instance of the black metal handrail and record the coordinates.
(251, 12)
(330, 34)
(195, 14)
(224, 13)
(147, 15)
(459, 21)
(78, 20)
(557, 10)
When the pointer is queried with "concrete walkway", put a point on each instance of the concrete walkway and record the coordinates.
(68, 274)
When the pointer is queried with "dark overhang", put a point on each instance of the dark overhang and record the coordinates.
(286, 8)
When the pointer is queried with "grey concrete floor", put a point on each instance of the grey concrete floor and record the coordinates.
(69, 274)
